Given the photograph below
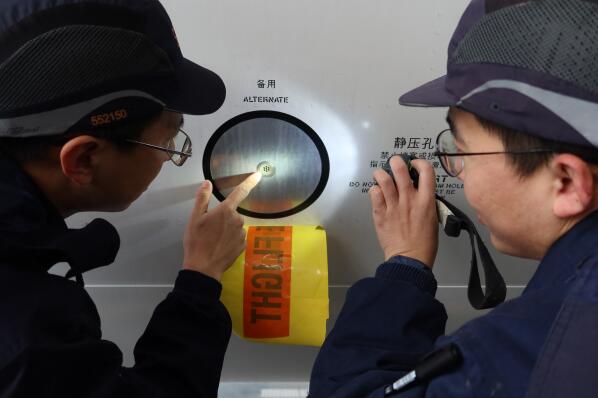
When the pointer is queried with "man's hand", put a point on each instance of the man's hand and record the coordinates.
(214, 239)
(405, 218)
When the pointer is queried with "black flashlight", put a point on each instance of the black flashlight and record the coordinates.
(412, 171)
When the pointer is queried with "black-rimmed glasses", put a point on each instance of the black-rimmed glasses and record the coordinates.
(452, 160)
(179, 147)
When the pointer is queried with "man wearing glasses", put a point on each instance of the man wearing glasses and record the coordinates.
(92, 95)
(522, 92)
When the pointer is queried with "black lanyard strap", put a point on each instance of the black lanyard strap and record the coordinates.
(496, 289)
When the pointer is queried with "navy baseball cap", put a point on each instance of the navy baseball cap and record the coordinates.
(529, 65)
(87, 64)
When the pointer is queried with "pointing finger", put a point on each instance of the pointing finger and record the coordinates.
(243, 190)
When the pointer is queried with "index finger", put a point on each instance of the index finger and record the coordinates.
(243, 190)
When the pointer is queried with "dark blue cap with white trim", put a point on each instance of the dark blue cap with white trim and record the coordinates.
(90, 63)
(529, 65)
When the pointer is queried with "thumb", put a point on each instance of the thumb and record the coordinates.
(202, 199)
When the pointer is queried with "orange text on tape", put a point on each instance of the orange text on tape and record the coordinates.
(267, 287)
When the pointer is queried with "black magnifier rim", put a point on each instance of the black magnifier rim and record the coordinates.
(270, 115)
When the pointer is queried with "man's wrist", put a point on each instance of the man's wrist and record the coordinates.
(204, 270)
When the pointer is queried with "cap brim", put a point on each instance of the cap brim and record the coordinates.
(431, 94)
(200, 91)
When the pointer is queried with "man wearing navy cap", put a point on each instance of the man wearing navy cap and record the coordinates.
(522, 92)
(91, 101)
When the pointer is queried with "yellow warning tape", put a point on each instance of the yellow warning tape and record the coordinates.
(277, 290)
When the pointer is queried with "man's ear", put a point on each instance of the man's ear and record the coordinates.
(78, 158)
(573, 186)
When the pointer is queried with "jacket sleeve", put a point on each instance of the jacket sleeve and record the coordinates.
(180, 354)
(386, 325)
(186, 339)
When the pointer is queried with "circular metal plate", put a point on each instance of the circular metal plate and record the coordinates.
(289, 154)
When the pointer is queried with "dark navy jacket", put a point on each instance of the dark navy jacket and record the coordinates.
(541, 344)
(50, 337)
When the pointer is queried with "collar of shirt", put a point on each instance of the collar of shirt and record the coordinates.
(567, 254)
(34, 235)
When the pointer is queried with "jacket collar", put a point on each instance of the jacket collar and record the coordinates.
(34, 235)
(567, 254)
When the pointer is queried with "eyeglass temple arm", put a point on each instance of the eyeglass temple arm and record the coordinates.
(189, 154)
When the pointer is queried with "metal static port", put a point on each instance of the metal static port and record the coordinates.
(267, 169)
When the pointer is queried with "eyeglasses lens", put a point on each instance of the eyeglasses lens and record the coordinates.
(181, 143)
(446, 144)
